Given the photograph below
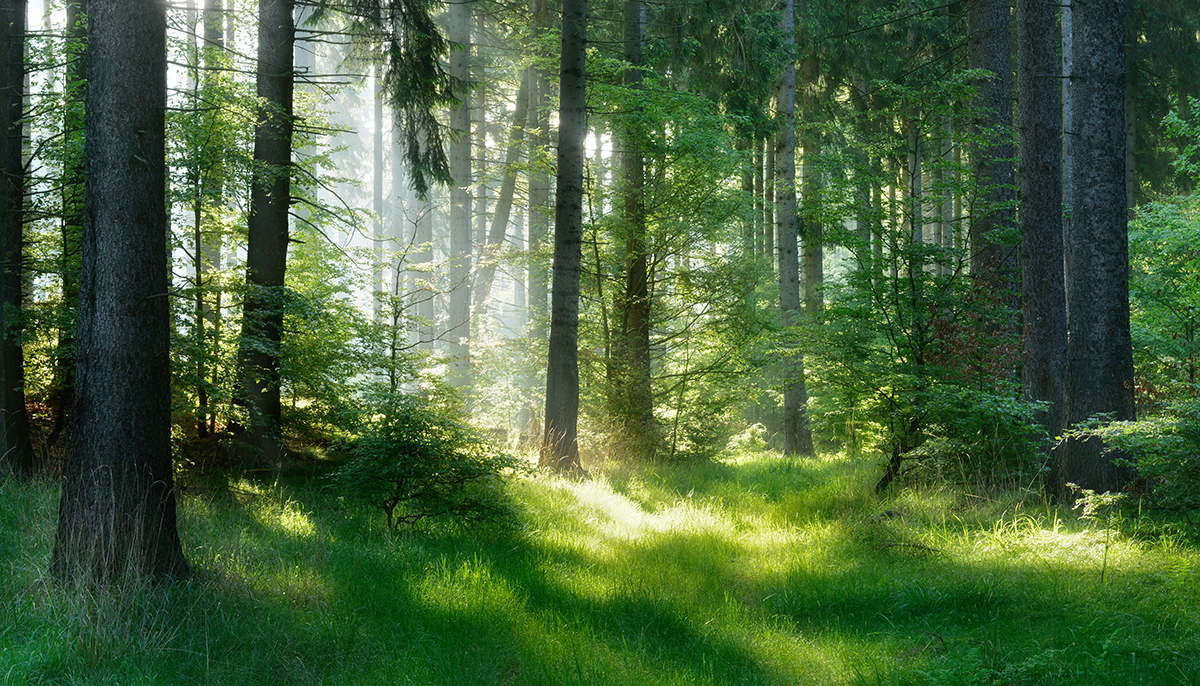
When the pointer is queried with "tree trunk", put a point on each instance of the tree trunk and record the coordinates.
(1043, 295)
(769, 200)
(560, 444)
(458, 327)
(989, 47)
(117, 513)
(267, 239)
(797, 437)
(1099, 350)
(14, 441)
(634, 406)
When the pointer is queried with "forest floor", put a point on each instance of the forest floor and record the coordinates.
(755, 570)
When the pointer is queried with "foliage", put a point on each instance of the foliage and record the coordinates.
(1164, 448)
(1164, 247)
(417, 458)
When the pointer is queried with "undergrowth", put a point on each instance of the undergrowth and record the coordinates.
(751, 570)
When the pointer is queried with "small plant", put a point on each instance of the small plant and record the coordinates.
(417, 458)
(1100, 507)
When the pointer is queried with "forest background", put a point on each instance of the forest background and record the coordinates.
(398, 245)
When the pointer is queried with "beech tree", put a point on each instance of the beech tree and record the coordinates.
(117, 513)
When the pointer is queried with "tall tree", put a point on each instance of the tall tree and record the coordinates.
(633, 404)
(1043, 292)
(117, 513)
(14, 441)
(1099, 349)
(267, 238)
(989, 48)
(797, 436)
(560, 444)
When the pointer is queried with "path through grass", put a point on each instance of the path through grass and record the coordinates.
(757, 570)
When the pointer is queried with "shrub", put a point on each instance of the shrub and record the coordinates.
(1164, 448)
(417, 458)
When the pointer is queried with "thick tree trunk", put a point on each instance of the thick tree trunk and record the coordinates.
(267, 240)
(560, 444)
(15, 444)
(989, 47)
(458, 326)
(797, 437)
(1043, 294)
(1099, 350)
(117, 514)
(634, 406)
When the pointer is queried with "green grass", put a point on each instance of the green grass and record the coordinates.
(757, 570)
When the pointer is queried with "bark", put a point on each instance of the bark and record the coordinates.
(634, 406)
(1099, 349)
(989, 47)
(560, 444)
(797, 437)
(15, 444)
(117, 513)
(1043, 294)
(267, 240)
(458, 326)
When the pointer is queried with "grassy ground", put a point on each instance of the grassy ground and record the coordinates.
(753, 571)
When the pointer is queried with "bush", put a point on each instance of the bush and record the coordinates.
(417, 459)
(1164, 449)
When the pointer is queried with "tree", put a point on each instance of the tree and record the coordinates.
(989, 48)
(797, 436)
(117, 513)
(633, 402)
(15, 444)
(560, 444)
(267, 236)
(1099, 377)
(1043, 292)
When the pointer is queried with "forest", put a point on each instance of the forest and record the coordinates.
(608, 341)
